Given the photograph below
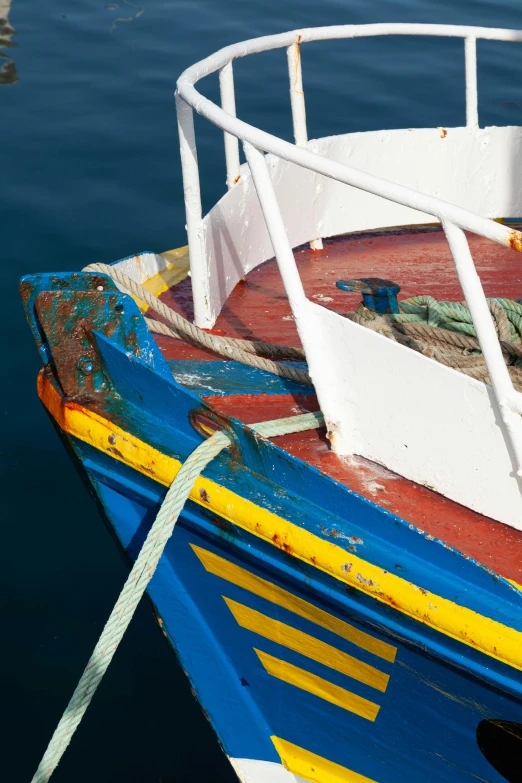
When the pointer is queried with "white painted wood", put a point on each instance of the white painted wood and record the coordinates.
(276, 227)
(375, 395)
(473, 168)
(425, 421)
(508, 399)
(143, 266)
(385, 402)
(253, 771)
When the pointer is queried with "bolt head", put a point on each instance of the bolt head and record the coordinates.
(85, 365)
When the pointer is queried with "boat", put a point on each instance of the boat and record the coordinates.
(343, 586)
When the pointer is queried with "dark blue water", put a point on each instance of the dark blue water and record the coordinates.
(89, 172)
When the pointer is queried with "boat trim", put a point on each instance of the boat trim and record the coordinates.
(441, 614)
(314, 768)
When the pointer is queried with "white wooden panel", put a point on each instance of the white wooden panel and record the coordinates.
(475, 168)
(236, 237)
(478, 169)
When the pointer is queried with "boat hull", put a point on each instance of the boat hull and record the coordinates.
(279, 685)
(325, 638)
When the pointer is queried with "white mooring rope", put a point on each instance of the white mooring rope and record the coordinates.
(253, 352)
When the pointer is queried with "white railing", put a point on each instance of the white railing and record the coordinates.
(454, 219)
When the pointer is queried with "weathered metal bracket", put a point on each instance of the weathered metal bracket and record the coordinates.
(66, 311)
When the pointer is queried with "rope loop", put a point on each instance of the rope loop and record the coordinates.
(257, 353)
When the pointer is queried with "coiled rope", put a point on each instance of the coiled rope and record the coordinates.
(142, 573)
(254, 353)
(444, 331)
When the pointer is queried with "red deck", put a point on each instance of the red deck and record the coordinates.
(420, 261)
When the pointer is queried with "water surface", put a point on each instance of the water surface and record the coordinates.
(90, 172)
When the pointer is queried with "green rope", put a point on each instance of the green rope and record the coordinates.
(444, 331)
(454, 315)
(142, 573)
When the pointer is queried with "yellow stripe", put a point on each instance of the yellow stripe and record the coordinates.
(482, 633)
(270, 592)
(314, 768)
(177, 269)
(512, 582)
(307, 645)
(311, 683)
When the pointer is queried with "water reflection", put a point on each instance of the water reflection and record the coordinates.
(139, 10)
(8, 73)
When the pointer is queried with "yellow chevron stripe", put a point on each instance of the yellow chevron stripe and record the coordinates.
(314, 768)
(255, 584)
(458, 622)
(324, 689)
(307, 645)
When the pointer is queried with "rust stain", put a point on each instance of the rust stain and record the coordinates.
(369, 582)
(223, 525)
(333, 533)
(389, 600)
(131, 343)
(110, 327)
(112, 440)
(515, 240)
(25, 290)
(282, 544)
(236, 179)
(297, 64)
(116, 452)
(203, 494)
(443, 132)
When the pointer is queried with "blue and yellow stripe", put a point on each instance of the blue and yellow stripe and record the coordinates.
(484, 634)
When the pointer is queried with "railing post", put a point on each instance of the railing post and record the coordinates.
(228, 104)
(297, 103)
(470, 56)
(193, 212)
(297, 100)
(487, 336)
(276, 227)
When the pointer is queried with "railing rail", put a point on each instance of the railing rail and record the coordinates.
(454, 219)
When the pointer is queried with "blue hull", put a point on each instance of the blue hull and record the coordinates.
(294, 662)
